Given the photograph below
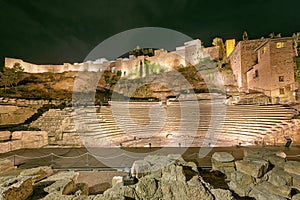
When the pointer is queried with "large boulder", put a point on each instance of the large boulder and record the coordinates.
(278, 177)
(223, 157)
(241, 183)
(255, 168)
(12, 188)
(223, 162)
(64, 183)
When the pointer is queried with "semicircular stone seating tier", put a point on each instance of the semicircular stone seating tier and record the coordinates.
(239, 125)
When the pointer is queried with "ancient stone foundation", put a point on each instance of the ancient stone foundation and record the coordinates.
(10, 141)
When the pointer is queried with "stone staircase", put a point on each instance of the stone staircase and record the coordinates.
(187, 124)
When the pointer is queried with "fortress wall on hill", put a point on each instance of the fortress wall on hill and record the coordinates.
(162, 58)
(33, 68)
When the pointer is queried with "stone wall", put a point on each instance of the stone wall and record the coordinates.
(17, 111)
(30, 102)
(162, 61)
(56, 123)
(34, 68)
(190, 53)
(10, 141)
(213, 52)
(235, 62)
(10, 114)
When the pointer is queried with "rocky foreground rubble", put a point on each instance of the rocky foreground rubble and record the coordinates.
(155, 177)
(262, 175)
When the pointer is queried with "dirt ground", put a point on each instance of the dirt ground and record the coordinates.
(98, 181)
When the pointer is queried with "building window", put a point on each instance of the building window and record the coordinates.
(279, 45)
(281, 78)
(281, 91)
(263, 50)
(256, 73)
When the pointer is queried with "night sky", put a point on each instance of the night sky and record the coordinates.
(57, 31)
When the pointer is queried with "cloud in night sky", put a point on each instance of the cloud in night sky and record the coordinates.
(66, 31)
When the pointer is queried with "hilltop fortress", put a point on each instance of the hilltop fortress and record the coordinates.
(191, 52)
(266, 65)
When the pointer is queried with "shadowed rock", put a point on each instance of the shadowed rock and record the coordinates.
(12, 188)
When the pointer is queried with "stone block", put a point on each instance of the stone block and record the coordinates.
(5, 135)
(6, 165)
(255, 168)
(222, 157)
(17, 135)
(292, 167)
(15, 145)
(5, 147)
(64, 183)
(276, 160)
(241, 183)
(63, 186)
(63, 175)
(37, 173)
(31, 139)
(283, 190)
(225, 167)
(261, 193)
(278, 177)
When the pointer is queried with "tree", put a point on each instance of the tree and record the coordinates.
(245, 36)
(11, 76)
(6, 79)
(218, 42)
(296, 37)
(18, 71)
